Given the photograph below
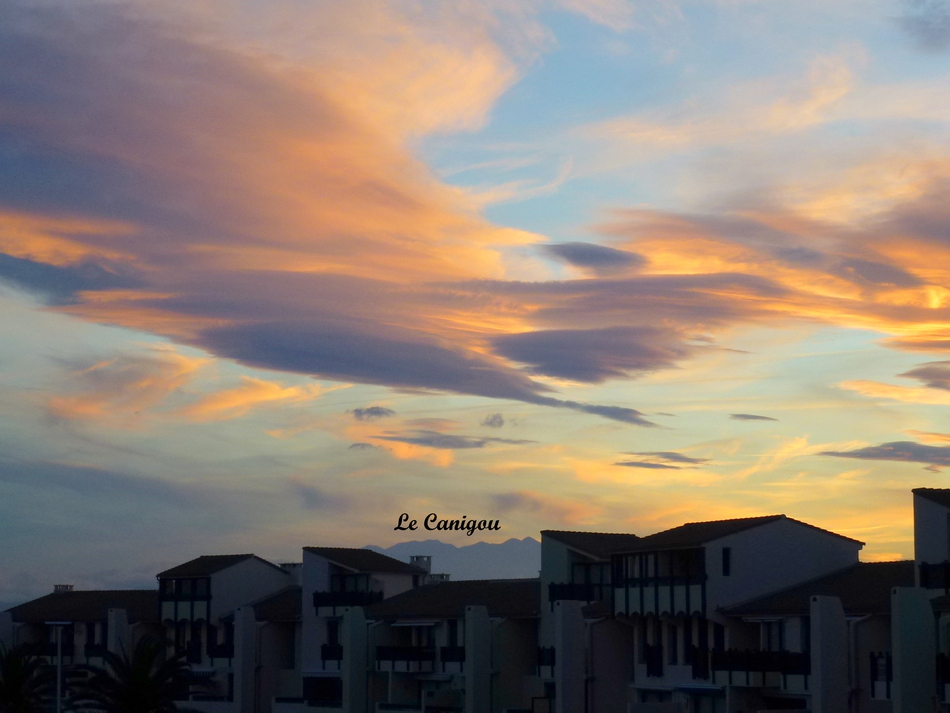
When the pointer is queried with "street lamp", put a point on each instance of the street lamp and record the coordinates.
(59, 661)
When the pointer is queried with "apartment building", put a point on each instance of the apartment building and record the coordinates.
(730, 616)
(87, 623)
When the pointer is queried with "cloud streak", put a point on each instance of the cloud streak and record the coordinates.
(900, 451)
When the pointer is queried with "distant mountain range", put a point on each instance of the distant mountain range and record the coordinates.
(513, 559)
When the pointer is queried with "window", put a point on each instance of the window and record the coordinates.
(726, 561)
(672, 643)
(719, 637)
(773, 636)
(333, 632)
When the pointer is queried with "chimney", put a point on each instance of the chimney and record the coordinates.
(423, 561)
(62, 588)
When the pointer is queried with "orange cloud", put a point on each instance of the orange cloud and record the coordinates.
(122, 390)
(252, 393)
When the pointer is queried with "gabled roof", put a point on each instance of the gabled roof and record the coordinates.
(695, 534)
(864, 588)
(941, 496)
(284, 605)
(207, 565)
(365, 560)
(88, 605)
(598, 545)
(511, 598)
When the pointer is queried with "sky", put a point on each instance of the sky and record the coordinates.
(272, 274)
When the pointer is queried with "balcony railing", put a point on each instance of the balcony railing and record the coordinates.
(331, 652)
(411, 654)
(452, 654)
(654, 660)
(346, 599)
(580, 592)
(790, 663)
(681, 581)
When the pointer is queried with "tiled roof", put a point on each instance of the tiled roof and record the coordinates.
(596, 544)
(207, 565)
(89, 605)
(941, 496)
(864, 588)
(447, 600)
(694, 534)
(365, 560)
(284, 605)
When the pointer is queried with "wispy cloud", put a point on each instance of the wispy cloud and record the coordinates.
(902, 451)
(447, 441)
(661, 460)
(495, 420)
(372, 413)
(750, 417)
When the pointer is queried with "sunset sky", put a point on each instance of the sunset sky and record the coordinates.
(273, 273)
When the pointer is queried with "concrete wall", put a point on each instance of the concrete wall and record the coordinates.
(570, 658)
(931, 534)
(829, 655)
(611, 665)
(514, 655)
(804, 553)
(914, 650)
(478, 663)
(242, 583)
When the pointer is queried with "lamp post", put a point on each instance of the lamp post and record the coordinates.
(59, 662)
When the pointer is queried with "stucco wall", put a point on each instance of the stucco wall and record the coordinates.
(771, 557)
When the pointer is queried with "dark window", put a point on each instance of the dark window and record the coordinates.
(672, 643)
(719, 637)
(185, 588)
(726, 561)
(323, 690)
(201, 588)
(168, 588)
(333, 632)
(453, 632)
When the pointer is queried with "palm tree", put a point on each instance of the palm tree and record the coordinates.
(143, 682)
(25, 680)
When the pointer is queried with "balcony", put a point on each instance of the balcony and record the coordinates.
(658, 595)
(407, 659)
(761, 668)
(452, 655)
(345, 599)
(579, 592)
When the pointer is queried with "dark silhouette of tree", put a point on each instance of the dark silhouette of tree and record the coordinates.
(26, 681)
(143, 682)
